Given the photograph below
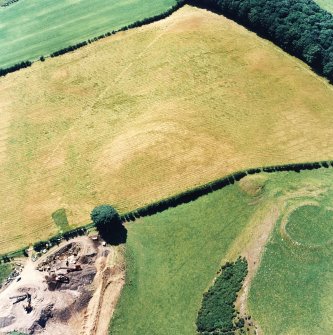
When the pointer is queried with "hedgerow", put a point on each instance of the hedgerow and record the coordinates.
(175, 201)
(217, 312)
(14, 68)
(218, 184)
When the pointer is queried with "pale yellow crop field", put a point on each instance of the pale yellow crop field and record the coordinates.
(148, 113)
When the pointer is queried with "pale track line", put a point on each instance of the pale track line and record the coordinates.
(102, 94)
(89, 109)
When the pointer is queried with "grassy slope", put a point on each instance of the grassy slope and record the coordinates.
(31, 28)
(326, 4)
(173, 256)
(148, 113)
(291, 292)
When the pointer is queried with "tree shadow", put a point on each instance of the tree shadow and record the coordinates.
(114, 234)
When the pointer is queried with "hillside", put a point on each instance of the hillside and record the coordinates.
(58, 24)
(148, 113)
(173, 257)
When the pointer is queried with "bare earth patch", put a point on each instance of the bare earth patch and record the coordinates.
(63, 292)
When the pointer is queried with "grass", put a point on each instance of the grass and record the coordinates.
(290, 292)
(173, 257)
(326, 4)
(5, 270)
(148, 113)
(58, 24)
(311, 225)
(60, 219)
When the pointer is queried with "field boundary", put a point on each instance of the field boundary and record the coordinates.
(197, 192)
(322, 68)
(173, 201)
(24, 64)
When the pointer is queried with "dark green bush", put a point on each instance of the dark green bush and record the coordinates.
(217, 311)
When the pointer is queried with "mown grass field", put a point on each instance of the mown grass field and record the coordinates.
(326, 4)
(291, 293)
(173, 257)
(148, 113)
(32, 28)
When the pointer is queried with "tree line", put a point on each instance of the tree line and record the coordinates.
(218, 184)
(55, 240)
(14, 68)
(217, 312)
(160, 206)
(8, 3)
(301, 28)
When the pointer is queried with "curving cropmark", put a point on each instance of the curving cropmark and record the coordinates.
(308, 224)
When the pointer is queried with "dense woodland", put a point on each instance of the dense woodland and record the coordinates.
(217, 313)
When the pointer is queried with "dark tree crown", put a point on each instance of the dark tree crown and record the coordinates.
(104, 215)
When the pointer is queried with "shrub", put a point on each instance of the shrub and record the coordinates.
(39, 246)
(109, 224)
(104, 215)
(217, 311)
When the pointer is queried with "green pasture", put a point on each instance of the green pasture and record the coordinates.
(172, 258)
(5, 270)
(291, 292)
(311, 225)
(31, 28)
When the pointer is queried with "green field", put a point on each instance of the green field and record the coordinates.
(326, 4)
(58, 24)
(291, 293)
(173, 258)
(310, 225)
(5, 270)
(149, 113)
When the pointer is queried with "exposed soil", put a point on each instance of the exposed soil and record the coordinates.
(66, 288)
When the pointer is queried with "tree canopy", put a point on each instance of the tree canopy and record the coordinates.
(104, 215)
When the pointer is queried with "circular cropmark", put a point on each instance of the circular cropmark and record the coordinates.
(308, 225)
